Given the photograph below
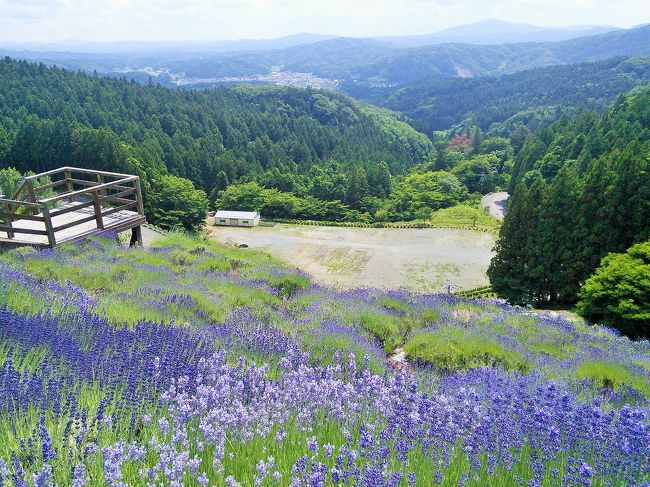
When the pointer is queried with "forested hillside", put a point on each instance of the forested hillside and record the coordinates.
(581, 190)
(534, 98)
(437, 86)
(288, 152)
(50, 117)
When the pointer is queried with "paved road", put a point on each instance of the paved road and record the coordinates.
(495, 203)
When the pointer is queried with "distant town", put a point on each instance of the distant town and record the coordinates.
(276, 77)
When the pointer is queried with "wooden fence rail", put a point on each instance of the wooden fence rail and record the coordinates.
(71, 203)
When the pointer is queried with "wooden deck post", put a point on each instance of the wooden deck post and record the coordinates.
(32, 196)
(48, 226)
(136, 236)
(100, 181)
(98, 210)
(138, 196)
(68, 183)
(8, 219)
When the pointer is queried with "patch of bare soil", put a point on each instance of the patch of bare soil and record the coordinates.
(423, 260)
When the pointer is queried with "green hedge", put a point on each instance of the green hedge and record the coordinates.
(416, 224)
(477, 292)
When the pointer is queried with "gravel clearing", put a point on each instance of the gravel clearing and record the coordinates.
(422, 260)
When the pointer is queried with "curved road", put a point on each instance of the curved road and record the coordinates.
(495, 203)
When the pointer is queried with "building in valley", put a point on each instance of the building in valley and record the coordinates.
(236, 218)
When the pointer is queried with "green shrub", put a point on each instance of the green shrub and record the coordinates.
(176, 203)
(289, 284)
(385, 328)
(618, 293)
(394, 304)
(452, 350)
(428, 316)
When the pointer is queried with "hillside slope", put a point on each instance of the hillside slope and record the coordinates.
(532, 97)
(195, 134)
(196, 364)
(438, 85)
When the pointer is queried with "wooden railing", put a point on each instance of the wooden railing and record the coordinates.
(69, 191)
(11, 210)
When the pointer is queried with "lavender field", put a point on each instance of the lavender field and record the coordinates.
(195, 364)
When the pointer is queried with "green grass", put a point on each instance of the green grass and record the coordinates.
(612, 376)
(324, 346)
(178, 262)
(452, 349)
(289, 284)
(394, 304)
(464, 215)
(386, 328)
(392, 328)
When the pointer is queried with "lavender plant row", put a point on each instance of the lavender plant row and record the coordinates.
(269, 393)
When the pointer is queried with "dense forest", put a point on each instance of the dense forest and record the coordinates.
(437, 86)
(296, 140)
(533, 98)
(197, 134)
(581, 190)
(310, 154)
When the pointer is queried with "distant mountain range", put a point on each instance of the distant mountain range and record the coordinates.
(467, 60)
(409, 73)
(497, 32)
(485, 32)
(89, 47)
(372, 61)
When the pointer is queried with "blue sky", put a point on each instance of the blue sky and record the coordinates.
(174, 20)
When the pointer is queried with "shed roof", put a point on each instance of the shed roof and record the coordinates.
(250, 215)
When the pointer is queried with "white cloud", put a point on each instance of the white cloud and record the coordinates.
(52, 20)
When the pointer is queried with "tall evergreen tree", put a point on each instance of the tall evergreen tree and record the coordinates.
(357, 187)
(508, 267)
(536, 275)
(379, 180)
(597, 201)
(561, 217)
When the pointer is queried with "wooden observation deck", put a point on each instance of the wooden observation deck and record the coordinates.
(71, 205)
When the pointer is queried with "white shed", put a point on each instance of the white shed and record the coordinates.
(236, 218)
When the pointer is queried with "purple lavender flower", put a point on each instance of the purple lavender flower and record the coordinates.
(46, 443)
(44, 477)
(79, 478)
(231, 482)
(312, 444)
(18, 475)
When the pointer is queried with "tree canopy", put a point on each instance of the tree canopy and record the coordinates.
(618, 293)
(176, 203)
(582, 191)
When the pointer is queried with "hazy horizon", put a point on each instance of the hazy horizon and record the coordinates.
(52, 21)
(306, 33)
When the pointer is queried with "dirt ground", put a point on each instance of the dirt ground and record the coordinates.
(421, 260)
